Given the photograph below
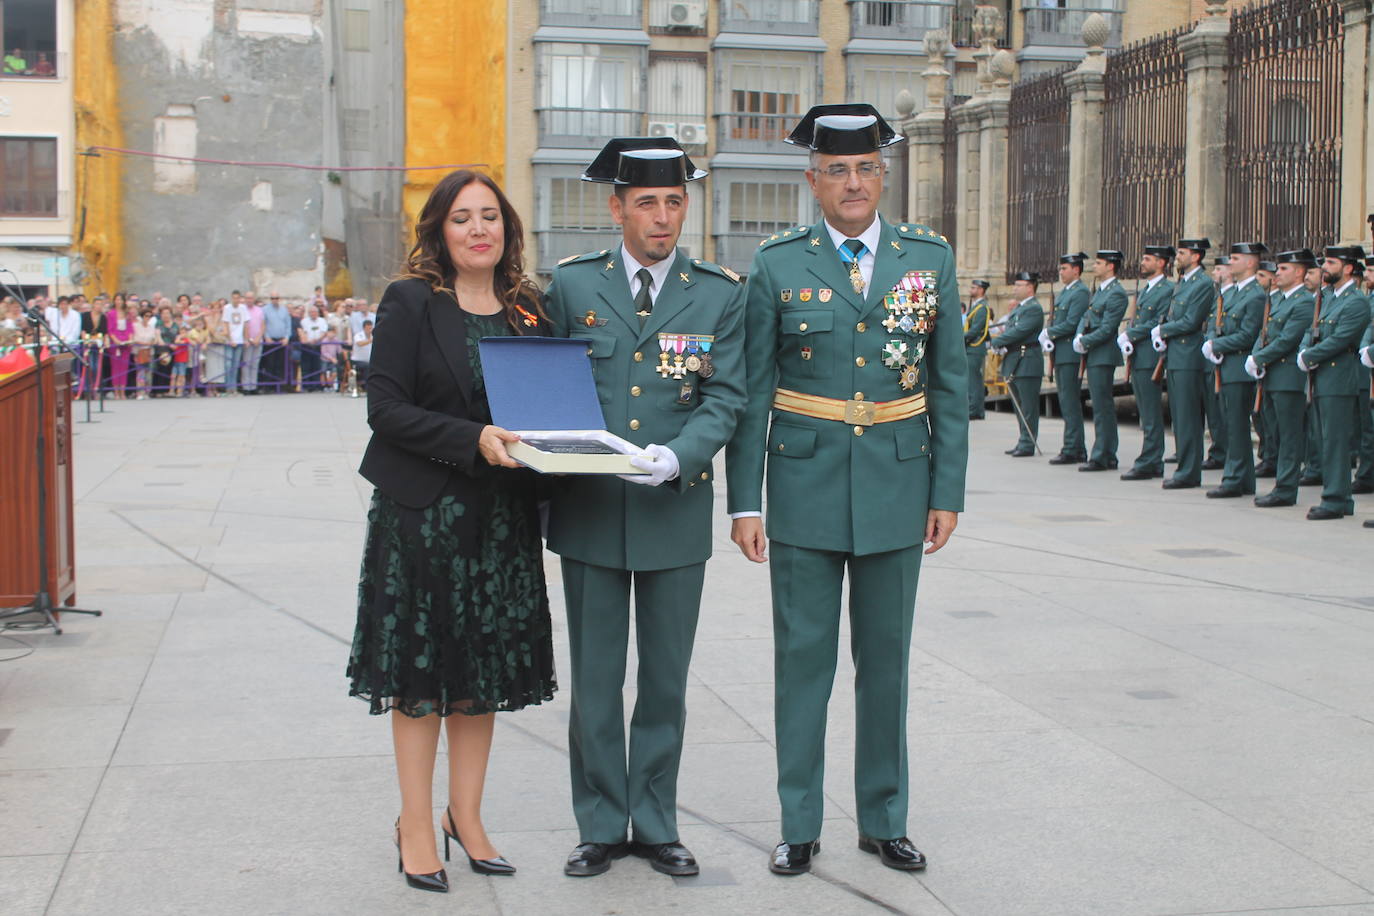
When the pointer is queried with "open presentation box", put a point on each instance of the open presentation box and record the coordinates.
(542, 389)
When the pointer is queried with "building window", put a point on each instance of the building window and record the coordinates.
(29, 31)
(677, 100)
(790, 17)
(357, 25)
(589, 93)
(877, 78)
(749, 211)
(28, 176)
(571, 215)
(605, 14)
(763, 94)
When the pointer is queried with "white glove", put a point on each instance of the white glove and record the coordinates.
(1211, 354)
(1127, 348)
(658, 463)
(1078, 344)
(1302, 364)
(1157, 336)
(1045, 343)
(1367, 357)
(1253, 369)
(997, 351)
(1158, 343)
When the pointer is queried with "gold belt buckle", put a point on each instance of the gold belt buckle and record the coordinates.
(859, 413)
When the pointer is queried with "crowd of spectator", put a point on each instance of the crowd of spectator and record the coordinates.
(134, 347)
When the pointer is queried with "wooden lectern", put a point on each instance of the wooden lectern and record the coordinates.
(19, 493)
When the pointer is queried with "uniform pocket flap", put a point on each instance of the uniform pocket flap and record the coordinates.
(599, 347)
(791, 441)
(803, 322)
(912, 441)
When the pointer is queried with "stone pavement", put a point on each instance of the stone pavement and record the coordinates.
(1124, 701)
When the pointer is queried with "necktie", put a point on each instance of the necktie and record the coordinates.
(644, 302)
(856, 250)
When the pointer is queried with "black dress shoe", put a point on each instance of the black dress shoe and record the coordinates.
(900, 853)
(1097, 466)
(1135, 474)
(1323, 514)
(1009, 451)
(1066, 458)
(1360, 489)
(1173, 483)
(1369, 523)
(497, 866)
(1271, 501)
(1224, 493)
(436, 881)
(1021, 452)
(1211, 464)
(593, 858)
(1310, 480)
(1266, 469)
(668, 858)
(794, 858)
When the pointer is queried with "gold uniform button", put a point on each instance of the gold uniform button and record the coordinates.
(858, 430)
(860, 362)
(635, 391)
(782, 446)
(705, 476)
(639, 357)
(861, 327)
(634, 424)
(858, 395)
(803, 326)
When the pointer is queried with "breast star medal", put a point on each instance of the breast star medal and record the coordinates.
(908, 377)
(895, 354)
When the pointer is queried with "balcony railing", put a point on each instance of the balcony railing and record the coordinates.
(782, 17)
(1064, 27)
(606, 14)
(906, 20)
(578, 127)
(746, 133)
(31, 64)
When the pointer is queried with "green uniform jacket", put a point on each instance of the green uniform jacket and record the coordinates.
(1100, 325)
(1242, 313)
(1276, 350)
(1024, 356)
(976, 326)
(1151, 304)
(605, 521)
(1194, 299)
(1069, 307)
(828, 488)
(1362, 383)
(1334, 358)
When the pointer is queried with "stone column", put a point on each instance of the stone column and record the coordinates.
(1357, 127)
(969, 189)
(926, 138)
(993, 150)
(1086, 103)
(1204, 183)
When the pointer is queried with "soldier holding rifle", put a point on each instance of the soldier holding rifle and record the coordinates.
(1234, 333)
(1180, 337)
(1057, 339)
(1263, 414)
(1150, 305)
(1096, 341)
(1023, 363)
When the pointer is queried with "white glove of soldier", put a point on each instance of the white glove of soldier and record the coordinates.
(1078, 344)
(1253, 369)
(1302, 363)
(1209, 352)
(658, 463)
(1045, 343)
(1367, 356)
(1157, 339)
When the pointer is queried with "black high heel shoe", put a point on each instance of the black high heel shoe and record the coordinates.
(435, 881)
(496, 866)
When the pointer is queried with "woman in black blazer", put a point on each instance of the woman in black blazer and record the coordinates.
(453, 616)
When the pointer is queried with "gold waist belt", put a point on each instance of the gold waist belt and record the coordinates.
(853, 412)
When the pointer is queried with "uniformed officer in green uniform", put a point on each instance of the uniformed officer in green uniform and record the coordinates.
(1214, 415)
(1179, 337)
(1330, 357)
(1150, 306)
(1312, 453)
(1364, 394)
(1274, 363)
(1095, 341)
(1057, 340)
(1263, 417)
(1023, 360)
(1227, 347)
(855, 355)
(977, 319)
(666, 337)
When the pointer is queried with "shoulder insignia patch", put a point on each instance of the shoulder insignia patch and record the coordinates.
(789, 235)
(585, 256)
(919, 233)
(717, 269)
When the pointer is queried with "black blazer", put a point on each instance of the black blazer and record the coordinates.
(419, 386)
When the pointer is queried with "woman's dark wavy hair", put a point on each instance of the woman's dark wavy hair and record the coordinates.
(429, 261)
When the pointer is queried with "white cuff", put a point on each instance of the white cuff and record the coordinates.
(752, 513)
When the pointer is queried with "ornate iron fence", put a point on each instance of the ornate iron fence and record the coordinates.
(1283, 128)
(1038, 179)
(949, 200)
(1143, 147)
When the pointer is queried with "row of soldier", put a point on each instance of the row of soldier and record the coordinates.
(1284, 345)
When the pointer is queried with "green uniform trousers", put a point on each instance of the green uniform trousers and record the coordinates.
(1312, 449)
(607, 797)
(1264, 428)
(1105, 435)
(1150, 403)
(1070, 392)
(1288, 409)
(976, 392)
(1216, 422)
(1338, 418)
(806, 631)
(1364, 446)
(1025, 390)
(1237, 398)
(1187, 405)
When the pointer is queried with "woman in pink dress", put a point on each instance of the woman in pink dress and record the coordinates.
(120, 329)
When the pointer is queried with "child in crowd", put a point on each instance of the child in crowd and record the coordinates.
(330, 348)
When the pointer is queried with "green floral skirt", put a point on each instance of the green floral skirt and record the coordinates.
(452, 627)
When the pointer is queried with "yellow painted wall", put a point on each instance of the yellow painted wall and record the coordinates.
(455, 92)
(96, 93)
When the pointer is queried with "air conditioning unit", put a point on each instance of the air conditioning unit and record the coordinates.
(662, 129)
(687, 14)
(689, 134)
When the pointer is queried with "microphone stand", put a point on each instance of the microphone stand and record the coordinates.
(41, 603)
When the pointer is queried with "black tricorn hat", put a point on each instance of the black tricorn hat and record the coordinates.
(843, 130)
(1302, 256)
(1268, 265)
(643, 162)
(1222, 260)
(1029, 276)
(1076, 258)
(1351, 254)
(1163, 252)
(1111, 255)
(983, 283)
(1198, 245)
(1249, 248)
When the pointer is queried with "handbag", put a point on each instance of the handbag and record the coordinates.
(143, 356)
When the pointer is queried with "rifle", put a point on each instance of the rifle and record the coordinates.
(1049, 362)
(1133, 312)
(1316, 335)
(1264, 341)
(1216, 370)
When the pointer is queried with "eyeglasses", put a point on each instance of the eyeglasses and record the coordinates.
(867, 171)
